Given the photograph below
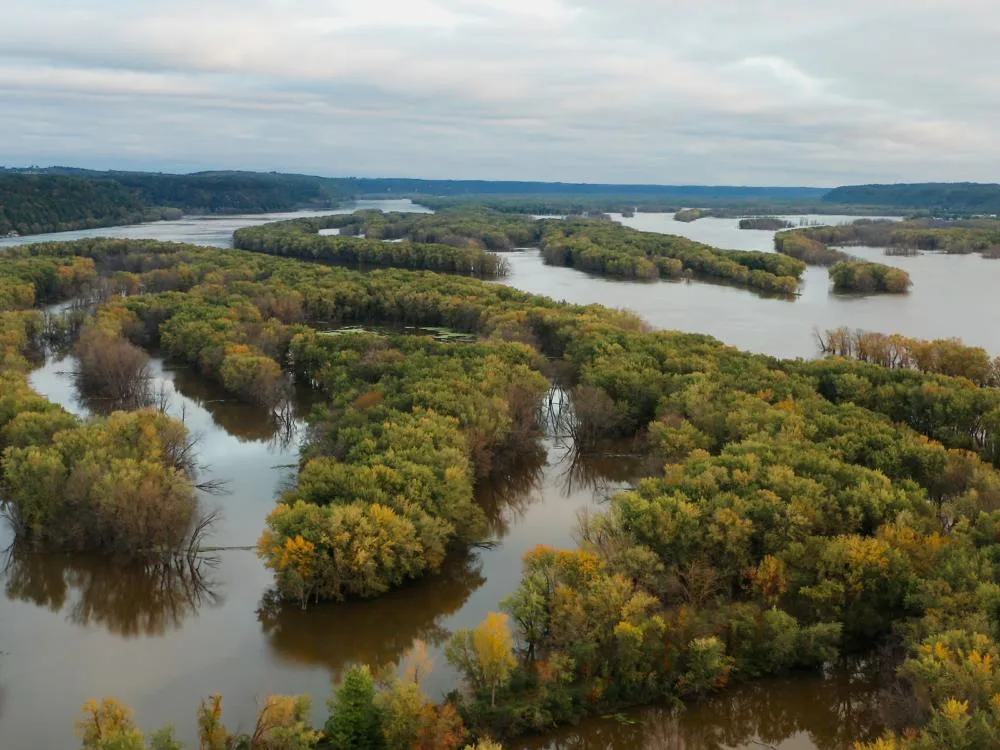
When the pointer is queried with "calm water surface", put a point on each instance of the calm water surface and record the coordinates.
(952, 295)
(76, 628)
(804, 712)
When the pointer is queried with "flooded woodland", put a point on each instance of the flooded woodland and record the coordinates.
(73, 627)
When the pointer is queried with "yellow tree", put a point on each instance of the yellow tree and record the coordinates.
(486, 654)
(109, 724)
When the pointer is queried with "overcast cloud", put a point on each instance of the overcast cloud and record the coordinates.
(765, 92)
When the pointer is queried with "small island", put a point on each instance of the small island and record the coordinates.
(691, 214)
(863, 277)
(769, 223)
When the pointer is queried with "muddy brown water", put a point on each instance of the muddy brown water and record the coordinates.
(73, 628)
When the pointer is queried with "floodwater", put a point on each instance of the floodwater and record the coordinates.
(74, 628)
(803, 712)
(77, 628)
(952, 295)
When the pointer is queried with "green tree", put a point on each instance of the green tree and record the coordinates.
(355, 721)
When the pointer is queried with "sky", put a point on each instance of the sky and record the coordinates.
(747, 92)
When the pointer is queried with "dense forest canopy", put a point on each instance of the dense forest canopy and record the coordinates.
(397, 186)
(806, 509)
(30, 204)
(936, 197)
(232, 192)
(464, 252)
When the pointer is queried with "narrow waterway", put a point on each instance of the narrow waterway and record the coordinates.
(73, 628)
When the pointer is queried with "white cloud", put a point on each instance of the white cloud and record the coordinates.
(750, 91)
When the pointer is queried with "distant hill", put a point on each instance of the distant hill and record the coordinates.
(184, 189)
(215, 192)
(45, 199)
(373, 186)
(30, 204)
(934, 197)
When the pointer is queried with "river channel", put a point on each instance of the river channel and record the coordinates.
(77, 628)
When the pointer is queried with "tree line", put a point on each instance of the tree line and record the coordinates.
(848, 273)
(475, 226)
(365, 712)
(608, 248)
(299, 238)
(895, 351)
(941, 198)
(956, 237)
(768, 223)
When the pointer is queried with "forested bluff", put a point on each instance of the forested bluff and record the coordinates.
(50, 199)
(806, 509)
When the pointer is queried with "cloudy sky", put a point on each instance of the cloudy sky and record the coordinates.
(764, 92)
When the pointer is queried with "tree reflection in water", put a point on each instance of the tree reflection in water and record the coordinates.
(507, 494)
(128, 600)
(382, 631)
(378, 632)
(800, 712)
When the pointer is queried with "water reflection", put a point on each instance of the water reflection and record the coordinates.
(510, 491)
(131, 600)
(800, 712)
(378, 632)
(246, 422)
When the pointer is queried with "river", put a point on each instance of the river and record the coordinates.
(77, 628)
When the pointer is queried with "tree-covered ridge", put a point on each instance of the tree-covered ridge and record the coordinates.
(563, 204)
(31, 204)
(300, 238)
(232, 192)
(39, 203)
(206, 192)
(940, 198)
(608, 248)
